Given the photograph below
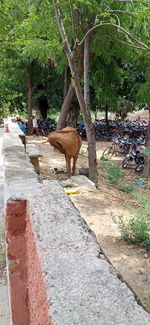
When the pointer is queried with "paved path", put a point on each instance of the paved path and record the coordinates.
(4, 302)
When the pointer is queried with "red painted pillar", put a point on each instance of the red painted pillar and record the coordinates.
(16, 219)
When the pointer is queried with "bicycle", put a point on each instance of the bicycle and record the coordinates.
(111, 150)
(120, 146)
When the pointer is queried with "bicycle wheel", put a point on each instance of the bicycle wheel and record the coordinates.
(121, 149)
(139, 168)
(107, 153)
(125, 162)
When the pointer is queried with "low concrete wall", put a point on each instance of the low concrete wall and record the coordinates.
(56, 269)
(16, 216)
(28, 296)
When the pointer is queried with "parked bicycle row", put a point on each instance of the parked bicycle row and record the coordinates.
(103, 130)
(131, 149)
(136, 155)
(106, 131)
(46, 126)
(128, 138)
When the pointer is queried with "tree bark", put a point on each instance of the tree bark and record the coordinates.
(70, 93)
(65, 81)
(90, 131)
(96, 113)
(42, 106)
(146, 171)
(89, 126)
(86, 72)
(76, 84)
(65, 108)
(73, 115)
(106, 115)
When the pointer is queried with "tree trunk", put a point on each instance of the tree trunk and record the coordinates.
(96, 113)
(86, 72)
(90, 130)
(71, 92)
(146, 171)
(106, 116)
(73, 115)
(65, 81)
(29, 94)
(72, 59)
(65, 108)
(42, 105)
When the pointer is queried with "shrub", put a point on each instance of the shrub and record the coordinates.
(136, 230)
(113, 172)
(144, 202)
(128, 188)
(103, 159)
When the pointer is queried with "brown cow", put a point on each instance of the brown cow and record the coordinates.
(68, 142)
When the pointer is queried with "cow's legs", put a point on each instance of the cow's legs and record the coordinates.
(74, 165)
(68, 165)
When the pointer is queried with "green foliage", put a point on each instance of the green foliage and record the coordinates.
(112, 171)
(146, 153)
(136, 230)
(144, 204)
(143, 95)
(115, 84)
(133, 77)
(54, 114)
(103, 159)
(128, 188)
(29, 34)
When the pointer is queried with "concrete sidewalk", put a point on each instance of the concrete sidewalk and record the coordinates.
(4, 300)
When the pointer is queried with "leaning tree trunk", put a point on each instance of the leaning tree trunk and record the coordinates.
(86, 72)
(65, 82)
(89, 126)
(76, 83)
(146, 171)
(70, 93)
(29, 94)
(65, 108)
(73, 115)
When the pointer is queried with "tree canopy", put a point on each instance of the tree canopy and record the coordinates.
(29, 37)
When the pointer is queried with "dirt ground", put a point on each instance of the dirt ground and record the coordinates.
(100, 210)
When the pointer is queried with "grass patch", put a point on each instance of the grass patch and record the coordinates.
(103, 159)
(144, 202)
(112, 171)
(128, 188)
(136, 230)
